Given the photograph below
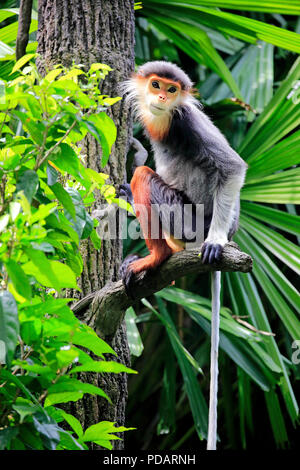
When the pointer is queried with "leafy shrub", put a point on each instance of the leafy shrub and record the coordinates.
(45, 194)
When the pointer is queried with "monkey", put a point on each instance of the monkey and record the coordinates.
(194, 164)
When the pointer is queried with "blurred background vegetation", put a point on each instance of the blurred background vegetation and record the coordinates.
(243, 58)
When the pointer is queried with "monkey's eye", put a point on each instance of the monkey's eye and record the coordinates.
(155, 84)
(172, 89)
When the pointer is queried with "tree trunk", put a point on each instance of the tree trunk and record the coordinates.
(89, 31)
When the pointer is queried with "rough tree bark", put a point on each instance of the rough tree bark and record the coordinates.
(88, 31)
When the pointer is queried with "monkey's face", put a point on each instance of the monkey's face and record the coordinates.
(162, 95)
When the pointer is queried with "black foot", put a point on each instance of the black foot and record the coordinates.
(211, 253)
(127, 275)
(125, 191)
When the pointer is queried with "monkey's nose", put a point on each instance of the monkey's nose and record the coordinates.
(162, 97)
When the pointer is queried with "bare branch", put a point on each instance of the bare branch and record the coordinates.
(110, 303)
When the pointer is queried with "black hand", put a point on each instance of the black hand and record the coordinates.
(125, 191)
(127, 274)
(211, 252)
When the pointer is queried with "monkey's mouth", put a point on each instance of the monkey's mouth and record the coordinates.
(156, 109)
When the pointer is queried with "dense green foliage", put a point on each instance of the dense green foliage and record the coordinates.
(249, 85)
(45, 195)
(244, 63)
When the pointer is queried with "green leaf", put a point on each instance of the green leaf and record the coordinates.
(51, 76)
(288, 7)
(14, 210)
(260, 320)
(4, 219)
(133, 336)
(67, 160)
(272, 270)
(52, 175)
(87, 338)
(103, 366)
(79, 222)
(282, 187)
(28, 183)
(40, 267)
(96, 240)
(88, 227)
(7, 13)
(73, 259)
(9, 324)
(241, 27)
(282, 248)
(98, 66)
(276, 418)
(282, 220)
(172, 333)
(42, 212)
(66, 356)
(267, 130)
(103, 431)
(31, 438)
(240, 354)
(6, 435)
(48, 430)
(49, 273)
(73, 422)
(202, 306)
(36, 129)
(57, 393)
(6, 375)
(36, 368)
(18, 278)
(107, 130)
(282, 309)
(271, 160)
(21, 62)
(64, 198)
(24, 408)
(96, 177)
(253, 73)
(68, 442)
(63, 230)
(63, 397)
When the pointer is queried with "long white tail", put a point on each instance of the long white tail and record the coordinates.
(213, 393)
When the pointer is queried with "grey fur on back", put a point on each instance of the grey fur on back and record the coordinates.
(196, 158)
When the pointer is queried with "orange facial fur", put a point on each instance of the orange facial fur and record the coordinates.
(157, 98)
